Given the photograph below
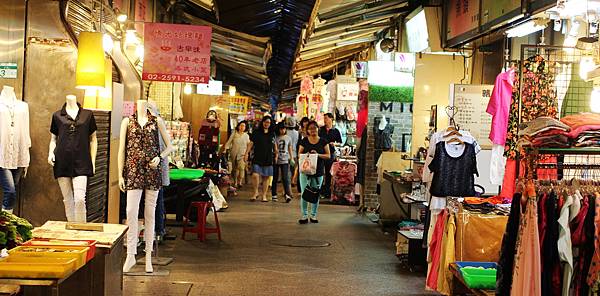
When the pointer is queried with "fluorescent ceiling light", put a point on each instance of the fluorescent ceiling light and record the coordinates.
(525, 29)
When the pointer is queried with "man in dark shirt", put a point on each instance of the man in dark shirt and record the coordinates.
(331, 135)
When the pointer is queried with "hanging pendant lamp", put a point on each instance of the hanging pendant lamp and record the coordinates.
(90, 61)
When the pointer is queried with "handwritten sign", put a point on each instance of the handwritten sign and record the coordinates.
(177, 53)
(347, 91)
(472, 101)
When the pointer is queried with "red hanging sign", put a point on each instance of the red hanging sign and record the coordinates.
(176, 53)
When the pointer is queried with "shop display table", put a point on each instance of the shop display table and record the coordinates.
(459, 287)
(409, 249)
(100, 276)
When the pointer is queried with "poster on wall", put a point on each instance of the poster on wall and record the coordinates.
(471, 101)
(462, 16)
(359, 69)
(404, 62)
(238, 104)
(176, 53)
(388, 85)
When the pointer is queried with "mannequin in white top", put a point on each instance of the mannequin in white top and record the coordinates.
(146, 185)
(14, 145)
(383, 123)
(74, 188)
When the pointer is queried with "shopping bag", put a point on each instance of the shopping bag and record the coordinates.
(217, 198)
(308, 164)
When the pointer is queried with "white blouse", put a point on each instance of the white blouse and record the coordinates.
(14, 132)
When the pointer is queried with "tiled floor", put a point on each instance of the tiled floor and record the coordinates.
(251, 261)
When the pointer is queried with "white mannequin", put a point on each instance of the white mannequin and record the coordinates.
(74, 189)
(9, 99)
(134, 196)
(383, 123)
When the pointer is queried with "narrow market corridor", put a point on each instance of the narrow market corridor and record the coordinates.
(251, 261)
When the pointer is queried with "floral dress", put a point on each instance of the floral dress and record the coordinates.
(538, 98)
(142, 146)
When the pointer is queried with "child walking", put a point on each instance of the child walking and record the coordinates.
(282, 166)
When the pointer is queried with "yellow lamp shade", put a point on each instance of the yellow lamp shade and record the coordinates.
(90, 61)
(100, 98)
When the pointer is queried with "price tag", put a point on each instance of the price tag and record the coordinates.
(8, 70)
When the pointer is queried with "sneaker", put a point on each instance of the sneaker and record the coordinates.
(314, 220)
(288, 198)
(303, 221)
(274, 198)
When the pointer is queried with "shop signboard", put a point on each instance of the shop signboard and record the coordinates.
(462, 17)
(140, 15)
(404, 62)
(213, 88)
(177, 53)
(347, 91)
(238, 104)
(359, 69)
(8, 70)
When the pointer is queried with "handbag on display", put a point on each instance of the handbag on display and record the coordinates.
(311, 194)
(308, 163)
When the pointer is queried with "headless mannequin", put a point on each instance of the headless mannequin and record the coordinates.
(74, 189)
(134, 196)
(9, 99)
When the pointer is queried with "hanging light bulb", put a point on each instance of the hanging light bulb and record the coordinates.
(107, 43)
(187, 89)
(595, 100)
(232, 90)
(586, 65)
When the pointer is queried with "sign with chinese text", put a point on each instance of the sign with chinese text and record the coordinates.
(176, 53)
(347, 91)
(238, 104)
(472, 101)
(8, 70)
(462, 16)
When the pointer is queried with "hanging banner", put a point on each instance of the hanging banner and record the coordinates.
(359, 69)
(347, 91)
(176, 53)
(238, 104)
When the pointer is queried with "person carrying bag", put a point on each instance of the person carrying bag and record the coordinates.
(313, 152)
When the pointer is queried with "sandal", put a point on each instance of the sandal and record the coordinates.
(254, 198)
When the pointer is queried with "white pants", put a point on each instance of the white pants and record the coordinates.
(133, 208)
(73, 191)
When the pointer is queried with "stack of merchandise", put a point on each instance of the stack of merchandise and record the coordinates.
(493, 205)
(584, 129)
(343, 173)
(545, 132)
(180, 139)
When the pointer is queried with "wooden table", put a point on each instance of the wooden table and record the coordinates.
(103, 275)
(459, 287)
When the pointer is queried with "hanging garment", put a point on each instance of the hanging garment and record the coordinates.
(208, 135)
(363, 112)
(306, 85)
(584, 239)
(504, 273)
(551, 276)
(453, 176)
(141, 147)
(444, 282)
(594, 273)
(318, 85)
(435, 249)
(332, 91)
(527, 270)
(565, 249)
(497, 164)
(466, 137)
(499, 106)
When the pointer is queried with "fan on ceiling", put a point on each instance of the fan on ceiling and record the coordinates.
(387, 45)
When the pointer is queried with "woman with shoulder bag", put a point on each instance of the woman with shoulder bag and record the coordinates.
(310, 184)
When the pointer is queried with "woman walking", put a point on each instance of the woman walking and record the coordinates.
(265, 155)
(282, 166)
(312, 144)
(237, 145)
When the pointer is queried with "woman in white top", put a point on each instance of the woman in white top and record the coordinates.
(236, 145)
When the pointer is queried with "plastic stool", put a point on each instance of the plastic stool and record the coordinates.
(201, 230)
